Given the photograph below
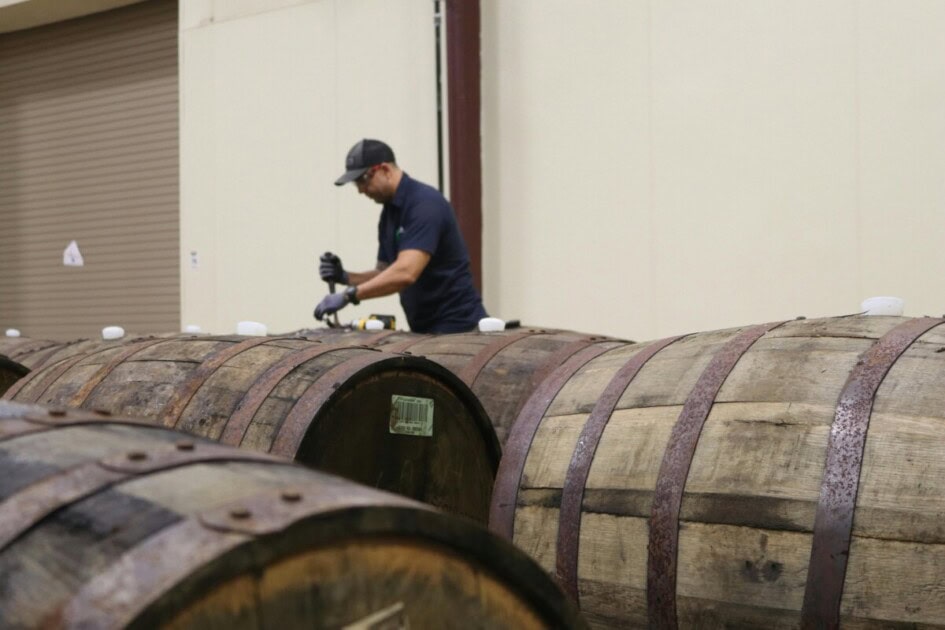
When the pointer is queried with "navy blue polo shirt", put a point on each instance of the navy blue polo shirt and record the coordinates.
(443, 299)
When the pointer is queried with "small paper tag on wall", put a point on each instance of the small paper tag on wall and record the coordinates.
(411, 416)
(72, 257)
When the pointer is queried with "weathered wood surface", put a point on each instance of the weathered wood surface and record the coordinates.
(502, 368)
(36, 353)
(23, 350)
(328, 406)
(21, 355)
(113, 523)
(746, 522)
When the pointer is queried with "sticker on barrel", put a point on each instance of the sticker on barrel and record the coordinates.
(410, 415)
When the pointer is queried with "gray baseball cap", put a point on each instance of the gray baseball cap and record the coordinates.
(362, 156)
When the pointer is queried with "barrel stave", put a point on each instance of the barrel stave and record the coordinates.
(136, 387)
(900, 493)
(786, 370)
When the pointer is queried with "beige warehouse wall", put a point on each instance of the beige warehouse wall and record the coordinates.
(666, 166)
(273, 93)
(649, 167)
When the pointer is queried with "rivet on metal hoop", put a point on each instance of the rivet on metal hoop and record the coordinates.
(291, 496)
(240, 514)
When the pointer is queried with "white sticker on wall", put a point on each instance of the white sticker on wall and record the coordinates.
(411, 416)
(72, 257)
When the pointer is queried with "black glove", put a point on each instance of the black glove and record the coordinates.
(329, 304)
(330, 269)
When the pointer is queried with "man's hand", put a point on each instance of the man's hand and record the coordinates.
(330, 303)
(330, 269)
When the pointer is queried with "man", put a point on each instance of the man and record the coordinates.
(421, 253)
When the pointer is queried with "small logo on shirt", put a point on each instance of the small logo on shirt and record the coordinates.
(398, 234)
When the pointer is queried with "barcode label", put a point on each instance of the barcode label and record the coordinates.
(411, 416)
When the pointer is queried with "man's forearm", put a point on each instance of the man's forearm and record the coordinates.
(355, 277)
(391, 279)
(382, 283)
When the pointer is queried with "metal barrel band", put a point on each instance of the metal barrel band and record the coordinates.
(293, 428)
(572, 491)
(471, 371)
(25, 508)
(512, 465)
(183, 394)
(146, 572)
(276, 510)
(667, 497)
(89, 386)
(252, 400)
(12, 428)
(833, 522)
(10, 409)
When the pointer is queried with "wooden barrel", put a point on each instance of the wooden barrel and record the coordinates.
(114, 523)
(502, 368)
(399, 423)
(776, 476)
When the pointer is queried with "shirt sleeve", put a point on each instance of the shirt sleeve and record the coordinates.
(422, 226)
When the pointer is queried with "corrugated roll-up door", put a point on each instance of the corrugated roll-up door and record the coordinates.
(89, 153)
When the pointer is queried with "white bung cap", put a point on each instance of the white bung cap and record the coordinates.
(192, 329)
(13, 332)
(113, 332)
(252, 329)
(373, 324)
(883, 305)
(491, 324)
